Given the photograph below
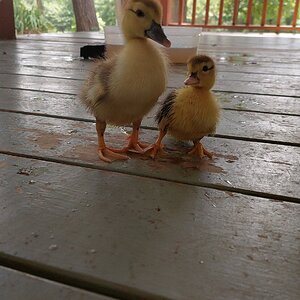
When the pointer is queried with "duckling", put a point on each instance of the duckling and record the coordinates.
(121, 90)
(191, 112)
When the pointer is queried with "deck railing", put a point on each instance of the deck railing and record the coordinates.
(207, 14)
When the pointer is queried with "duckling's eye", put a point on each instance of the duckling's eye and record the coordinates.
(205, 69)
(140, 13)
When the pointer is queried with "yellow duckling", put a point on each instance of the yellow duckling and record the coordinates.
(191, 112)
(120, 91)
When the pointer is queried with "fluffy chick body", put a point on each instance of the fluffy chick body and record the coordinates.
(191, 112)
(194, 113)
(122, 90)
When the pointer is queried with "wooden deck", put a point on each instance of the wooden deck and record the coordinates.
(73, 227)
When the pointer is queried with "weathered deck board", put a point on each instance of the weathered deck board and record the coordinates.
(283, 129)
(274, 169)
(223, 77)
(179, 241)
(71, 62)
(231, 42)
(72, 86)
(68, 105)
(8, 51)
(243, 57)
(174, 228)
(252, 126)
(16, 285)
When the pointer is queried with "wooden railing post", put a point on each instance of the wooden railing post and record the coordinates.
(280, 7)
(264, 13)
(166, 4)
(7, 20)
(294, 23)
(175, 13)
(249, 13)
(235, 12)
(220, 22)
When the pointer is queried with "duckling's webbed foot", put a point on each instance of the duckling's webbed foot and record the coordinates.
(200, 151)
(157, 147)
(106, 154)
(133, 141)
(154, 150)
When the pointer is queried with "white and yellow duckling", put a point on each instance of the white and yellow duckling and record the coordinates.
(120, 91)
(191, 112)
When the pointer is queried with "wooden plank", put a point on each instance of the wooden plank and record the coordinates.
(178, 74)
(222, 57)
(251, 126)
(74, 63)
(252, 40)
(16, 285)
(248, 167)
(282, 129)
(135, 235)
(64, 49)
(71, 86)
(63, 105)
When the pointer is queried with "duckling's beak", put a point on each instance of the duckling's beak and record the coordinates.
(156, 33)
(192, 80)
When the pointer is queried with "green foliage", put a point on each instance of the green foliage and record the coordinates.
(105, 10)
(57, 15)
(60, 14)
(28, 18)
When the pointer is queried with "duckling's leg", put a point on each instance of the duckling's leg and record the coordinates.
(133, 145)
(199, 150)
(103, 151)
(157, 146)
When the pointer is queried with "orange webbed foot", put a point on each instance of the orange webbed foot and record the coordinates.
(133, 146)
(154, 150)
(109, 155)
(200, 151)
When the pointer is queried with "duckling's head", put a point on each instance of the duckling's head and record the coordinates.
(142, 19)
(201, 71)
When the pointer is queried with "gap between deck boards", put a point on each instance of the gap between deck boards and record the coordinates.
(72, 279)
(218, 187)
(222, 136)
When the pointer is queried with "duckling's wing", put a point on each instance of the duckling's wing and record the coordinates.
(165, 113)
(96, 87)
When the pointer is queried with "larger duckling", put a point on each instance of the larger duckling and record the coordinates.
(120, 91)
(191, 112)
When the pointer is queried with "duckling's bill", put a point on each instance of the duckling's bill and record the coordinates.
(156, 33)
(192, 80)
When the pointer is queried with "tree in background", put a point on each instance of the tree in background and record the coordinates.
(85, 15)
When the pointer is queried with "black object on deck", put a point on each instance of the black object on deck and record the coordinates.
(93, 51)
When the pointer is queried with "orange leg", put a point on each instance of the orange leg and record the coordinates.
(199, 150)
(157, 146)
(134, 145)
(103, 151)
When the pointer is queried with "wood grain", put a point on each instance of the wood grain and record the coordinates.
(274, 169)
(163, 237)
(16, 285)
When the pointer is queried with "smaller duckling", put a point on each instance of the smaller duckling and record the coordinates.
(191, 112)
